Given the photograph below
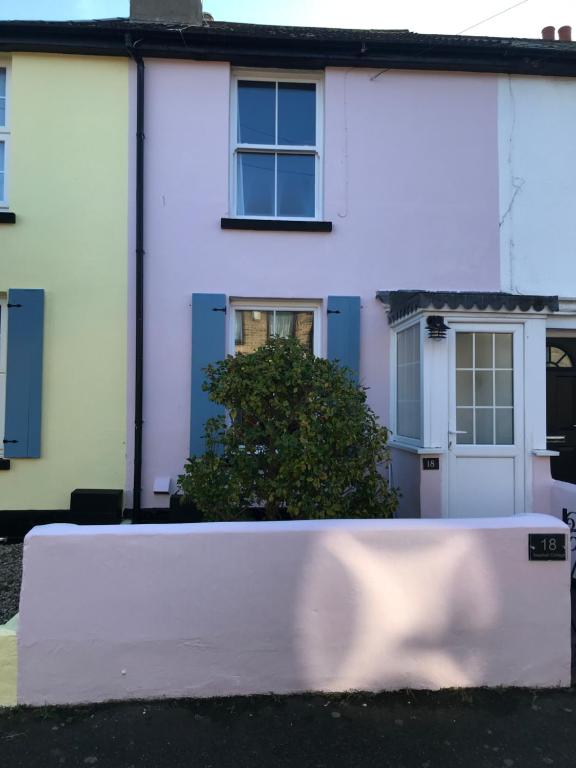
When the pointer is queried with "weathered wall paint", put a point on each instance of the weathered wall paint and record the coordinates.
(410, 183)
(537, 184)
(69, 190)
(130, 612)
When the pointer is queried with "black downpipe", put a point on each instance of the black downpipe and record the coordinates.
(139, 341)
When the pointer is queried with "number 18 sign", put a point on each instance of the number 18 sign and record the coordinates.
(546, 546)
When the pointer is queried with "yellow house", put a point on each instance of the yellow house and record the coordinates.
(64, 223)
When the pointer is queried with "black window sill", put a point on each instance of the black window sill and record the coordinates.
(7, 217)
(277, 225)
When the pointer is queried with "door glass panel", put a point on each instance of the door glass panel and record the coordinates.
(465, 425)
(503, 350)
(464, 350)
(484, 388)
(484, 426)
(484, 350)
(504, 388)
(464, 388)
(504, 426)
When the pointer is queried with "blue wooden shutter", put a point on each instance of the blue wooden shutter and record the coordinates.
(208, 346)
(344, 331)
(24, 374)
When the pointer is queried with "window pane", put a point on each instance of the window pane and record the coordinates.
(464, 350)
(304, 329)
(504, 388)
(296, 185)
(408, 382)
(256, 329)
(464, 393)
(484, 426)
(284, 325)
(503, 348)
(256, 112)
(298, 325)
(297, 114)
(484, 388)
(2, 96)
(464, 424)
(484, 357)
(504, 426)
(2, 153)
(255, 184)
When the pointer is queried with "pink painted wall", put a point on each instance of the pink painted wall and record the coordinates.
(129, 612)
(411, 185)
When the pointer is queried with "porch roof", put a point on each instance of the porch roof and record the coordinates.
(405, 303)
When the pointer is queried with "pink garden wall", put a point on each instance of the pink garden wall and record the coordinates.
(146, 611)
(410, 184)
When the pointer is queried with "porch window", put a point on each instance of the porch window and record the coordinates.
(408, 389)
(484, 389)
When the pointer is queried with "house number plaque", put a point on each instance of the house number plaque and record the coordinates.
(433, 463)
(546, 546)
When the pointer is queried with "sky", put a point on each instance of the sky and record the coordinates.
(440, 16)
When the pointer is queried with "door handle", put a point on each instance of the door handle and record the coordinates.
(555, 438)
(457, 432)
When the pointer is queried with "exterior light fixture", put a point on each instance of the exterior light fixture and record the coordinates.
(436, 327)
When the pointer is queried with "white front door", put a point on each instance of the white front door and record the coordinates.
(486, 421)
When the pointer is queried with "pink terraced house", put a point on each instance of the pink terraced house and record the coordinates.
(403, 203)
(400, 202)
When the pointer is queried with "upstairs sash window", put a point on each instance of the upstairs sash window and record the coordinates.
(276, 148)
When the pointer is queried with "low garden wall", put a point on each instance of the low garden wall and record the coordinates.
(125, 612)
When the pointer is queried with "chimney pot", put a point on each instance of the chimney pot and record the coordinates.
(548, 33)
(187, 12)
(565, 34)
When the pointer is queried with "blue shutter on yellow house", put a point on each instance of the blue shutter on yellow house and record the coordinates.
(208, 346)
(344, 332)
(22, 429)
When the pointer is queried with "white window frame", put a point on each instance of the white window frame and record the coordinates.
(3, 360)
(276, 76)
(262, 305)
(398, 439)
(5, 134)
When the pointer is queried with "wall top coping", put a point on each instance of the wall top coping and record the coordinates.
(524, 521)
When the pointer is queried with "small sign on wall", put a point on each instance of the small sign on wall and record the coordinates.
(431, 463)
(546, 546)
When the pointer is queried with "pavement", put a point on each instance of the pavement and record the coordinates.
(472, 728)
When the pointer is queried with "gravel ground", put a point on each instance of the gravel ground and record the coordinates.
(10, 579)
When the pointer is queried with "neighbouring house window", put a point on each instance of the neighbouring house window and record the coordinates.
(408, 391)
(4, 134)
(255, 325)
(3, 338)
(276, 147)
(556, 357)
(484, 389)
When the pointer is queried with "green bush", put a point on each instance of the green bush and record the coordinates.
(299, 440)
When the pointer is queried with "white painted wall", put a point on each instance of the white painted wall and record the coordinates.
(537, 155)
(129, 612)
